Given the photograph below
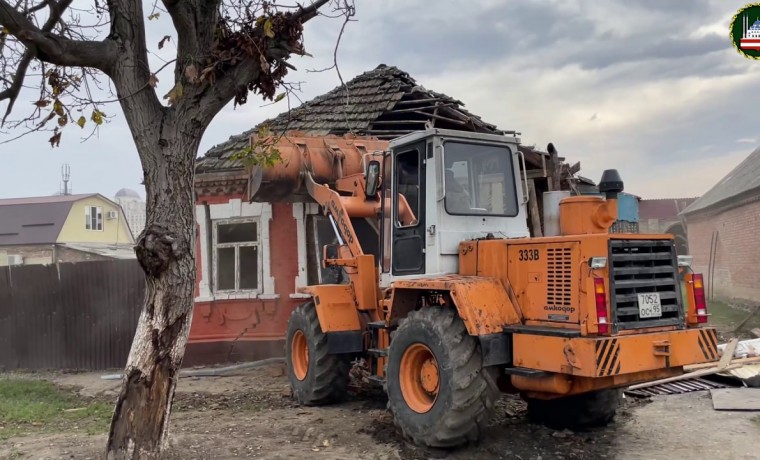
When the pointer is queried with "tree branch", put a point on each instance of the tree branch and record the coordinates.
(131, 73)
(11, 94)
(229, 84)
(193, 28)
(18, 82)
(54, 48)
(304, 14)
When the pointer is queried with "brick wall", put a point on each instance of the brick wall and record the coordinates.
(737, 257)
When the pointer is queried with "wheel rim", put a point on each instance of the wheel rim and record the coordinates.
(419, 378)
(299, 355)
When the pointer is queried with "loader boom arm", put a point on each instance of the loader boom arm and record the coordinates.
(333, 204)
(343, 208)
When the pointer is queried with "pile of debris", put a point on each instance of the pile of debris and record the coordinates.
(733, 380)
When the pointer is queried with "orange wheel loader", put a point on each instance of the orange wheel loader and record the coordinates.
(450, 300)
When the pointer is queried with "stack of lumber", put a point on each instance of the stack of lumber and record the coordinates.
(728, 362)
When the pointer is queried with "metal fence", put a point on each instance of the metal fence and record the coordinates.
(69, 316)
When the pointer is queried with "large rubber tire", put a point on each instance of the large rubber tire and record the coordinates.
(578, 412)
(326, 375)
(466, 392)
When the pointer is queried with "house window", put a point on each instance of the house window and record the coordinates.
(236, 255)
(93, 218)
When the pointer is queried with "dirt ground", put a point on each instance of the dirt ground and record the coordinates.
(253, 416)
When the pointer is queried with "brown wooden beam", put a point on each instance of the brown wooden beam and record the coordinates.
(441, 117)
(399, 122)
(417, 109)
(535, 217)
(419, 101)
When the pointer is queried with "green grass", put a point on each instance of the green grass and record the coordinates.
(726, 317)
(31, 406)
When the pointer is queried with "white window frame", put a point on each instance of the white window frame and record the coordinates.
(98, 218)
(252, 243)
(232, 209)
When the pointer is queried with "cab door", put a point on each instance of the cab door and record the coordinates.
(408, 243)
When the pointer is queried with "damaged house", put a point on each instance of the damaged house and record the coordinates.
(252, 257)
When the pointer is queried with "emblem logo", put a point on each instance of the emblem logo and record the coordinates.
(745, 31)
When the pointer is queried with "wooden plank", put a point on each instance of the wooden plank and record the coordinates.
(419, 101)
(554, 165)
(435, 116)
(689, 375)
(417, 109)
(400, 122)
(728, 354)
(535, 218)
(535, 174)
(744, 399)
(693, 367)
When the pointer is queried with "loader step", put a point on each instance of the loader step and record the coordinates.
(543, 330)
(378, 351)
(525, 372)
(377, 325)
(376, 380)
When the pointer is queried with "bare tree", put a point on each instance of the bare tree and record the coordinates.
(225, 49)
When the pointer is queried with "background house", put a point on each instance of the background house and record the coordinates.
(247, 288)
(134, 209)
(662, 216)
(64, 228)
(722, 228)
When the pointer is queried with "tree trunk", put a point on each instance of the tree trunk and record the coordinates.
(166, 252)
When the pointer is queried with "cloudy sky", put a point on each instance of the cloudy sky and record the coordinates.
(650, 87)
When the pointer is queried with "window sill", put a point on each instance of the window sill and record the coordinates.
(300, 295)
(236, 296)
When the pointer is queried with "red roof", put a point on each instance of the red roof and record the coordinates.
(663, 208)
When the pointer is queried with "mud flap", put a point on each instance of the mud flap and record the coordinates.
(342, 342)
(496, 349)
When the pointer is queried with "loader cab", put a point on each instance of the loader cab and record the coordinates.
(460, 186)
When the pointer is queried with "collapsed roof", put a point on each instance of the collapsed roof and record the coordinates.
(384, 103)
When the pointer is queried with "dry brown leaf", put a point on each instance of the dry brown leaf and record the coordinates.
(163, 41)
(55, 141)
(175, 93)
(264, 63)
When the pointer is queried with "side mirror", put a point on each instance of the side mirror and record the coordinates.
(373, 178)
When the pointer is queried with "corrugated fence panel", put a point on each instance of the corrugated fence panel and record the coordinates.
(6, 319)
(69, 316)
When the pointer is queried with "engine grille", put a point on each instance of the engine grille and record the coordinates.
(639, 267)
(559, 264)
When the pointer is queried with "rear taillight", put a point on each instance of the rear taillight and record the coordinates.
(699, 298)
(600, 295)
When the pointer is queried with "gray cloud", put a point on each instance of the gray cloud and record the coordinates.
(668, 104)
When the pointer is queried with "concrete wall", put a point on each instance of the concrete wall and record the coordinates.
(45, 254)
(114, 230)
(737, 257)
(33, 255)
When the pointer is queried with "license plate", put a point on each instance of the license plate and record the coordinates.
(650, 305)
